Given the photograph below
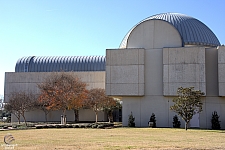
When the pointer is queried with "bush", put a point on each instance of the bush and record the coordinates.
(215, 121)
(101, 126)
(153, 120)
(89, 126)
(94, 126)
(51, 126)
(131, 120)
(69, 126)
(39, 127)
(58, 126)
(76, 126)
(176, 122)
(81, 126)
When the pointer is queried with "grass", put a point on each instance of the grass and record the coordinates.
(116, 139)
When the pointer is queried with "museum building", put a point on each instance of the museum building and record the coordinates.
(158, 55)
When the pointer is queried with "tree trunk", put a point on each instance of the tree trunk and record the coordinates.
(96, 116)
(76, 115)
(64, 117)
(46, 117)
(23, 115)
(186, 125)
(110, 116)
(18, 117)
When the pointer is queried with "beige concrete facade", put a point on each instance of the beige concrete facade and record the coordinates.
(167, 66)
(28, 81)
(55, 116)
(221, 69)
(183, 67)
(145, 73)
(125, 72)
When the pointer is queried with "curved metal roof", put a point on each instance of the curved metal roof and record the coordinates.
(60, 63)
(191, 30)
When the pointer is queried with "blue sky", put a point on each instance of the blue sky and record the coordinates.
(85, 27)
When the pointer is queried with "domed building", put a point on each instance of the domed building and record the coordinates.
(157, 56)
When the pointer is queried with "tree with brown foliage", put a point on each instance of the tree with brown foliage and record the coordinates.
(65, 91)
(95, 100)
(109, 105)
(43, 103)
(19, 103)
(98, 101)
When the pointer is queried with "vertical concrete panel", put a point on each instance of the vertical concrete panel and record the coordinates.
(153, 72)
(211, 68)
(221, 70)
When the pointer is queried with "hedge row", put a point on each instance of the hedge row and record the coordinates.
(92, 125)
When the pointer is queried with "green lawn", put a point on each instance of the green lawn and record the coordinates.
(117, 138)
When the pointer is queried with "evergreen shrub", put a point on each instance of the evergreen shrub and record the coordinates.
(176, 122)
(215, 121)
(131, 120)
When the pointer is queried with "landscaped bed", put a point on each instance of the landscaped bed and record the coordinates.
(116, 138)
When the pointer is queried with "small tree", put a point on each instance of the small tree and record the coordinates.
(19, 103)
(110, 104)
(96, 100)
(153, 120)
(176, 122)
(43, 103)
(215, 121)
(131, 120)
(187, 104)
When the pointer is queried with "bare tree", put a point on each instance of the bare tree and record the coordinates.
(19, 103)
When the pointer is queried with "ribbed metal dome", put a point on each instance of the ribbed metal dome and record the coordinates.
(191, 30)
(60, 63)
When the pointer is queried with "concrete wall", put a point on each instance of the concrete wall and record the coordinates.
(55, 116)
(125, 72)
(27, 81)
(153, 34)
(143, 107)
(211, 63)
(221, 70)
(183, 66)
(168, 66)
